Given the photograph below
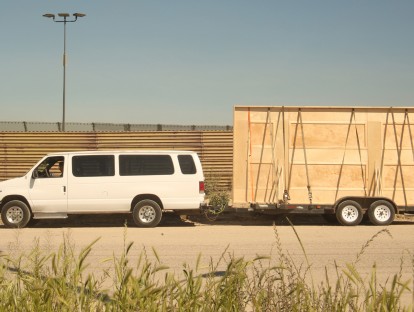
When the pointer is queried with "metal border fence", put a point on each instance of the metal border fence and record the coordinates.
(23, 126)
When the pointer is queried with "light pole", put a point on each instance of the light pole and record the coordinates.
(64, 21)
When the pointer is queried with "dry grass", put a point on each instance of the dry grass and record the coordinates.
(58, 281)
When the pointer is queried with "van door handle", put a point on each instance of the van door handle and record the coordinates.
(64, 189)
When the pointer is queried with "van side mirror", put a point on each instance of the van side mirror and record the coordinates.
(35, 174)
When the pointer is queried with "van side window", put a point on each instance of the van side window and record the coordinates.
(93, 166)
(187, 165)
(130, 165)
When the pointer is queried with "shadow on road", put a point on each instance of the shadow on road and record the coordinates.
(173, 220)
(283, 220)
(110, 220)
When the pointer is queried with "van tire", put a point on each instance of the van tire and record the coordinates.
(349, 213)
(147, 213)
(15, 214)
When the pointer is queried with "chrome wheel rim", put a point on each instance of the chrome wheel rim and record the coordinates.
(350, 213)
(147, 214)
(14, 215)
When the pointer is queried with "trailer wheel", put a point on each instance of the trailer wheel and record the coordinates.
(147, 213)
(15, 214)
(381, 212)
(349, 213)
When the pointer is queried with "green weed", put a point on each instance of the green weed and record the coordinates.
(59, 281)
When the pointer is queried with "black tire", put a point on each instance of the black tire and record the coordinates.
(147, 213)
(349, 213)
(381, 212)
(15, 214)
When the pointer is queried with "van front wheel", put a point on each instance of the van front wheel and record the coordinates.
(15, 214)
(147, 213)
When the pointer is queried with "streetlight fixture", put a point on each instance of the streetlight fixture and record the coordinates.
(64, 21)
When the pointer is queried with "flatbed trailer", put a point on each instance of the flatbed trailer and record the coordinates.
(347, 162)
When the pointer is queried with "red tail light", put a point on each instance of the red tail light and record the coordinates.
(201, 187)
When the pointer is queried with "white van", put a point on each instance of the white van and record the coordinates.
(143, 183)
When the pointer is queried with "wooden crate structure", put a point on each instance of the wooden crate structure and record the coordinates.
(318, 155)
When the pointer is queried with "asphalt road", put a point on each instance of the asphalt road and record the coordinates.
(178, 242)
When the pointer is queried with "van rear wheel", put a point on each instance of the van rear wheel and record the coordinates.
(147, 213)
(15, 214)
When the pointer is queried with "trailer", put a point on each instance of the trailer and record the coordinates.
(349, 163)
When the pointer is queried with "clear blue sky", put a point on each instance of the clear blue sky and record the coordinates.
(190, 61)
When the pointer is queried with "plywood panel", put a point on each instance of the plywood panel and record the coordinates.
(393, 136)
(263, 154)
(328, 156)
(402, 197)
(328, 176)
(392, 176)
(327, 135)
(266, 179)
(261, 134)
(321, 196)
(391, 156)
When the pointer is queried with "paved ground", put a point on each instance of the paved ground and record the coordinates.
(181, 241)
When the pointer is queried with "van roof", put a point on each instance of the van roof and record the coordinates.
(105, 152)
